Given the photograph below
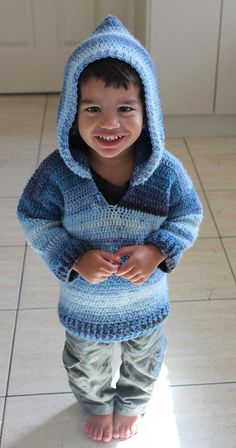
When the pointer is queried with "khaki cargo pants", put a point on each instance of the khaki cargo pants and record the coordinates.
(89, 368)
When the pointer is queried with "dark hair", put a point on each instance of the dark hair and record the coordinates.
(113, 72)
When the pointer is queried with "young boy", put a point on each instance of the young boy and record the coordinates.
(111, 212)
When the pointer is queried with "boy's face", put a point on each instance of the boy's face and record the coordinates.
(110, 119)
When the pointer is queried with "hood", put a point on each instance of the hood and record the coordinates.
(112, 39)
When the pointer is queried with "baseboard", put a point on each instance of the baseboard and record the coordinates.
(200, 126)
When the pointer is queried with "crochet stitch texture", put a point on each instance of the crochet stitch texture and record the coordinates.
(64, 214)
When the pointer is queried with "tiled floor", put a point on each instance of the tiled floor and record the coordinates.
(194, 405)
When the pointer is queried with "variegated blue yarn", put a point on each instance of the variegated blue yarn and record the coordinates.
(64, 214)
(111, 39)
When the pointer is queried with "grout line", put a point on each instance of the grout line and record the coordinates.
(220, 383)
(4, 246)
(228, 259)
(172, 386)
(42, 130)
(38, 308)
(223, 299)
(202, 186)
(40, 394)
(220, 190)
(215, 237)
(217, 58)
(209, 206)
(28, 308)
(12, 346)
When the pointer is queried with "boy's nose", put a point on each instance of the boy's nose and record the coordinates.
(109, 121)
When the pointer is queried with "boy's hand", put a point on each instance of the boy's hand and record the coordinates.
(142, 262)
(96, 266)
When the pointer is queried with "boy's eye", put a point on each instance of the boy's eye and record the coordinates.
(92, 109)
(125, 109)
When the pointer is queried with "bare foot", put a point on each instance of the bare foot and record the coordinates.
(124, 426)
(99, 427)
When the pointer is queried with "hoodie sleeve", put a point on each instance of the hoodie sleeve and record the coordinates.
(39, 211)
(180, 229)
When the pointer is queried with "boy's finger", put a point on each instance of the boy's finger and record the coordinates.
(108, 267)
(125, 269)
(111, 258)
(132, 275)
(127, 250)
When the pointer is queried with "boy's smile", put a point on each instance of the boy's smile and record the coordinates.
(110, 119)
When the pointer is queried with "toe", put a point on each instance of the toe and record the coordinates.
(88, 429)
(116, 433)
(107, 435)
(124, 433)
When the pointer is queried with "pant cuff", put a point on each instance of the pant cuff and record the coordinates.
(95, 409)
(130, 411)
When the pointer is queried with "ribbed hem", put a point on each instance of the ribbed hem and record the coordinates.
(114, 331)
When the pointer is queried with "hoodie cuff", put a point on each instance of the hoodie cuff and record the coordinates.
(63, 267)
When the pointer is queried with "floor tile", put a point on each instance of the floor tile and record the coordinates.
(178, 148)
(205, 416)
(1, 411)
(215, 160)
(49, 141)
(19, 144)
(230, 246)
(187, 417)
(58, 421)
(14, 174)
(37, 365)
(190, 410)
(7, 320)
(21, 119)
(200, 416)
(202, 341)
(11, 260)
(223, 206)
(208, 228)
(203, 273)
(19, 112)
(10, 230)
(40, 288)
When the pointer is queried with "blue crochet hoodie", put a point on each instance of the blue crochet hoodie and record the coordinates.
(64, 214)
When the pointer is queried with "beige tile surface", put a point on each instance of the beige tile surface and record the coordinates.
(1, 410)
(14, 175)
(203, 273)
(58, 421)
(49, 142)
(193, 412)
(19, 112)
(223, 205)
(7, 320)
(230, 246)
(202, 341)
(205, 416)
(37, 366)
(52, 422)
(215, 160)
(11, 260)
(40, 288)
(179, 149)
(19, 144)
(10, 230)
(184, 417)
(208, 228)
